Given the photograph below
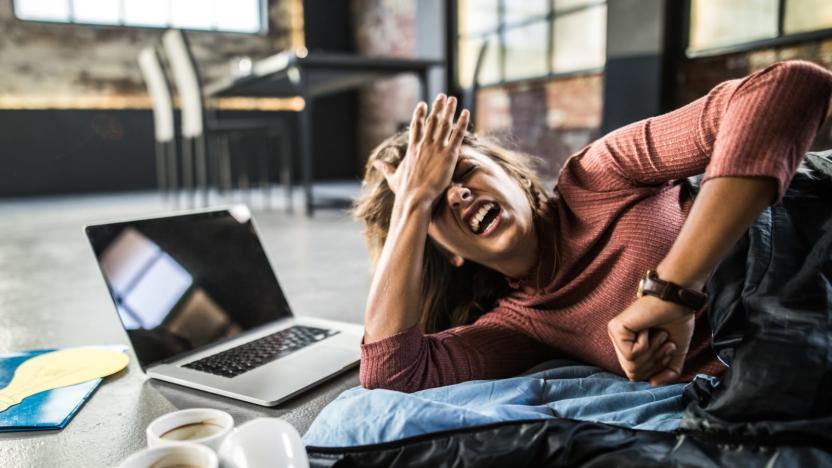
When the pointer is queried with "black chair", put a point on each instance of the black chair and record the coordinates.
(164, 127)
(199, 128)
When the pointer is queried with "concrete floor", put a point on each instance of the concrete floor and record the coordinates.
(52, 295)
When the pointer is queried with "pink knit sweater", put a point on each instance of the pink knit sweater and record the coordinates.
(619, 210)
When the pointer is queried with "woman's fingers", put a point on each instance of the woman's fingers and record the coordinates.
(659, 358)
(672, 369)
(386, 169)
(652, 368)
(417, 124)
(641, 344)
(446, 122)
(657, 339)
(647, 357)
(459, 130)
(433, 118)
(666, 376)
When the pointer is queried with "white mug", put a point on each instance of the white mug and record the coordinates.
(204, 426)
(264, 443)
(172, 455)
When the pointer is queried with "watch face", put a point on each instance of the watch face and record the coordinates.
(640, 291)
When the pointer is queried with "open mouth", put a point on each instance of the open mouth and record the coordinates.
(485, 216)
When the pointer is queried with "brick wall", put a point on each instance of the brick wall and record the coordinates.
(549, 119)
(384, 28)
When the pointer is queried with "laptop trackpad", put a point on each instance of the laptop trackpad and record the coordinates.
(322, 359)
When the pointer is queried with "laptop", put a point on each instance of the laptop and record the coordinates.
(202, 308)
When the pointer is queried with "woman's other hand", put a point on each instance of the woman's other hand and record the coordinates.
(433, 149)
(639, 356)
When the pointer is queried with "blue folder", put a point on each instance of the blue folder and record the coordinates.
(51, 409)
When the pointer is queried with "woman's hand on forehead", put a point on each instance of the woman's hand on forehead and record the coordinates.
(433, 150)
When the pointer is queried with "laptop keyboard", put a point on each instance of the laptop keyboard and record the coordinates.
(235, 361)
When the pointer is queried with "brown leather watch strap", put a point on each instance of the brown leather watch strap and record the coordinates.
(652, 285)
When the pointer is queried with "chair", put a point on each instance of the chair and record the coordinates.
(469, 97)
(163, 120)
(196, 126)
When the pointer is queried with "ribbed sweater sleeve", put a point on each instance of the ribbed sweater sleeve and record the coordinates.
(759, 125)
(769, 122)
(492, 347)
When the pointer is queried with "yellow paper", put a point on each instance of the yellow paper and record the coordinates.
(60, 368)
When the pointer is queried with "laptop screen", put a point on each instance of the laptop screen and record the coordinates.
(184, 282)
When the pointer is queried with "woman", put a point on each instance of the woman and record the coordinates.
(478, 274)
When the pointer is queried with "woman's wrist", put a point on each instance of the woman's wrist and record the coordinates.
(413, 205)
(681, 274)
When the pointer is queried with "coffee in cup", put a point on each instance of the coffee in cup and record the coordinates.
(205, 426)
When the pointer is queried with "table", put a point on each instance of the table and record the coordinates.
(311, 75)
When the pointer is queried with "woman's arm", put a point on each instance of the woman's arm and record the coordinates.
(765, 129)
(744, 127)
(394, 301)
(423, 175)
(497, 345)
(724, 209)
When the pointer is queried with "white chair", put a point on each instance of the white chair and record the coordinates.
(195, 126)
(163, 120)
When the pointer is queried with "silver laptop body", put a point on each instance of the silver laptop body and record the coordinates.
(202, 307)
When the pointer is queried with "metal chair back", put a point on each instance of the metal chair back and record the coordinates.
(187, 80)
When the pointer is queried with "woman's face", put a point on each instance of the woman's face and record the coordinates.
(485, 215)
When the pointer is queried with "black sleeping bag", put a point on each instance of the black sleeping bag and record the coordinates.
(770, 309)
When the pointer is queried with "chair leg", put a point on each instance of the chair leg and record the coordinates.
(161, 181)
(263, 167)
(286, 169)
(202, 168)
(225, 167)
(173, 171)
(188, 170)
(243, 165)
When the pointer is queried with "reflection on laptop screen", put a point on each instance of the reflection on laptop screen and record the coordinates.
(187, 281)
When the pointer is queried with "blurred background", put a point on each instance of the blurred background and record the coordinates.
(114, 109)
(545, 76)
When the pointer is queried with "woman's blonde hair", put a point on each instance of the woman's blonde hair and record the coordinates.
(451, 295)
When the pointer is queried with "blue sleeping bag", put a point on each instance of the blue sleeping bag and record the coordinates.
(564, 389)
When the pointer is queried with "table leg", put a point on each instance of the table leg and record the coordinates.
(188, 171)
(306, 153)
(201, 188)
(173, 171)
(286, 169)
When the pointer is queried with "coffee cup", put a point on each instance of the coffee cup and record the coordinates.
(263, 442)
(173, 455)
(204, 426)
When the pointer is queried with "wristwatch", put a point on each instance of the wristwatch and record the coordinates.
(652, 285)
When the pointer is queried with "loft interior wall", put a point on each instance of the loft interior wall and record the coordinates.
(53, 151)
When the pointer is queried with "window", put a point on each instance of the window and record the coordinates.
(719, 26)
(529, 39)
(244, 16)
(145, 280)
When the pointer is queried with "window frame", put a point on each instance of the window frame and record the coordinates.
(262, 31)
(502, 26)
(781, 40)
